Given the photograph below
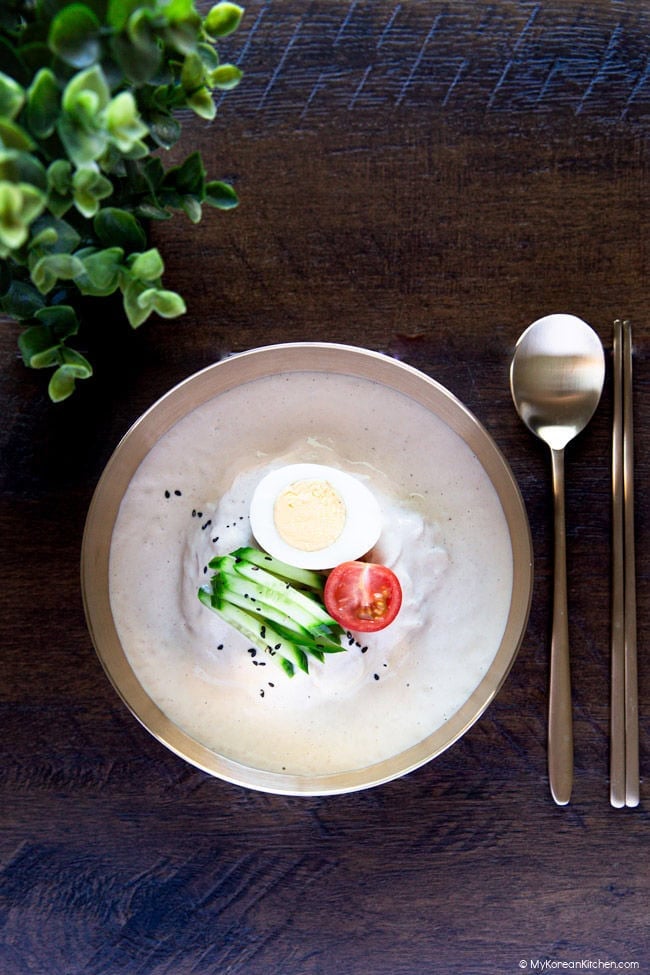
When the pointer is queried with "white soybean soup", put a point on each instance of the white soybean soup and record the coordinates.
(444, 534)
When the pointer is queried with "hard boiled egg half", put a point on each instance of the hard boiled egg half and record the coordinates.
(314, 516)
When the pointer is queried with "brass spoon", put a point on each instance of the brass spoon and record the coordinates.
(556, 379)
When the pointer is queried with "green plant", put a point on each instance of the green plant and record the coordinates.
(89, 91)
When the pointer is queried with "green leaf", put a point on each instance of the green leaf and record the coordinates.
(12, 136)
(54, 267)
(135, 313)
(164, 129)
(191, 206)
(22, 301)
(59, 176)
(167, 304)
(44, 240)
(89, 187)
(137, 151)
(189, 177)
(139, 49)
(67, 238)
(119, 11)
(76, 364)
(202, 104)
(119, 228)
(17, 166)
(85, 83)
(123, 122)
(193, 72)
(147, 266)
(20, 204)
(223, 19)
(140, 61)
(152, 211)
(61, 320)
(221, 195)
(226, 77)
(61, 385)
(178, 9)
(154, 172)
(58, 205)
(102, 272)
(38, 347)
(74, 367)
(74, 35)
(85, 97)
(12, 96)
(43, 104)
(184, 35)
(140, 301)
(209, 55)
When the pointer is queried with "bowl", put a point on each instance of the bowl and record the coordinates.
(177, 487)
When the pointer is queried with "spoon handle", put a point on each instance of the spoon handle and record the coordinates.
(560, 721)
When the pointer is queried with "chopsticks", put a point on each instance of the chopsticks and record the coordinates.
(624, 728)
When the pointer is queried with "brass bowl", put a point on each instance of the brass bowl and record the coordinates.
(280, 362)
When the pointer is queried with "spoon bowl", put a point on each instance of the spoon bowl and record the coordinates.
(556, 379)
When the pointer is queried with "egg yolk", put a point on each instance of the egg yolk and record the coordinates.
(309, 515)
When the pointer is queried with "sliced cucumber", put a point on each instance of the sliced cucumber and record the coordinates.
(303, 577)
(256, 595)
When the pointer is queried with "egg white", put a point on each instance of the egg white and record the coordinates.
(363, 521)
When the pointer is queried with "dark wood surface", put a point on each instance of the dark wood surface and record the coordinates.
(424, 179)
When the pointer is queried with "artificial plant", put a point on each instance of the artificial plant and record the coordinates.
(89, 97)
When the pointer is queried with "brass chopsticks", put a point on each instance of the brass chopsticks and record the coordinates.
(624, 752)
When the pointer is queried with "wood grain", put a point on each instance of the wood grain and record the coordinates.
(424, 179)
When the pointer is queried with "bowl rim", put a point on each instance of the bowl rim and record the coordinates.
(212, 381)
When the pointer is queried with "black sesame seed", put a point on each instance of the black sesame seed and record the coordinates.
(271, 684)
(262, 693)
(167, 494)
(277, 646)
(252, 651)
(193, 512)
(364, 649)
(220, 647)
(178, 493)
(376, 676)
(216, 539)
(207, 524)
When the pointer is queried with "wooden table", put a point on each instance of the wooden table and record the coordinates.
(423, 179)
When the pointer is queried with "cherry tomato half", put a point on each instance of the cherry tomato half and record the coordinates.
(362, 596)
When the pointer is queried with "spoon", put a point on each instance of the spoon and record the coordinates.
(556, 379)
